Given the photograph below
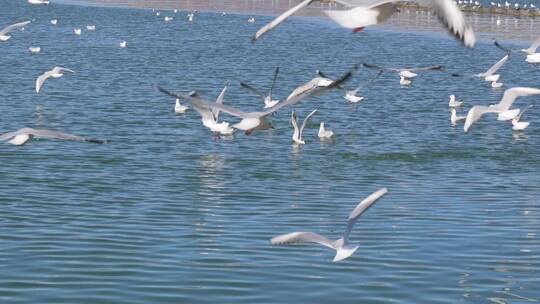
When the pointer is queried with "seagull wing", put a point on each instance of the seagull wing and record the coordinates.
(41, 79)
(219, 100)
(510, 96)
(281, 18)
(527, 107)
(61, 69)
(361, 16)
(496, 66)
(475, 113)
(276, 72)
(58, 135)
(304, 123)
(430, 68)
(452, 18)
(361, 208)
(12, 27)
(302, 237)
(252, 89)
(534, 45)
(8, 135)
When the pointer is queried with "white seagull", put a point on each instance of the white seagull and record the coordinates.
(24, 135)
(343, 248)
(251, 20)
(518, 125)
(268, 101)
(54, 21)
(34, 49)
(359, 17)
(351, 96)
(56, 72)
(453, 102)
(210, 117)
(123, 44)
(297, 134)
(530, 53)
(490, 75)
(4, 32)
(77, 31)
(167, 19)
(454, 118)
(91, 28)
(252, 121)
(179, 108)
(36, 2)
(405, 74)
(510, 95)
(323, 133)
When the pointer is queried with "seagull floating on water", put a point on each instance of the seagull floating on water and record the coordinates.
(453, 102)
(251, 20)
(123, 44)
(34, 49)
(77, 31)
(454, 119)
(359, 17)
(167, 19)
(343, 248)
(25, 135)
(179, 108)
(91, 28)
(510, 95)
(54, 21)
(323, 133)
(268, 101)
(297, 134)
(37, 2)
(4, 32)
(56, 72)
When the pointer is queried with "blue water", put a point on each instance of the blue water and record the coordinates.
(166, 213)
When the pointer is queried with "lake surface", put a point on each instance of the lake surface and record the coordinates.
(166, 213)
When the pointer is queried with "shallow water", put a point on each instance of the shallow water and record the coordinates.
(165, 213)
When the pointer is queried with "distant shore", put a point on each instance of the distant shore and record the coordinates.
(504, 24)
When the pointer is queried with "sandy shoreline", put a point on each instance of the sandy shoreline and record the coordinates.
(521, 29)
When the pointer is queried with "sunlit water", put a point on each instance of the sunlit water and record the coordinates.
(166, 213)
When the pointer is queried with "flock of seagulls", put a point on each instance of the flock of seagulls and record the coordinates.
(353, 17)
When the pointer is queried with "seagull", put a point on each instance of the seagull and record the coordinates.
(77, 31)
(24, 135)
(190, 16)
(123, 44)
(54, 21)
(453, 102)
(490, 75)
(297, 134)
(454, 118)
(91, 28)
(158, 13)
(4, 32)
(34, 49)
(350, 95)
(209, 117)
(268, 101)
(496, 85)
(343, 248)
(167, 19)
(504, 105)
(178, 108)
(531, 56)
(175, 11)
(359, 17)
(323, 133)
(251, 20)
(38, 2)
(252, 121)
(518, 125)
(405, 74)
(56, 72)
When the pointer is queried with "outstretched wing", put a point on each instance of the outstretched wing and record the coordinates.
(13, 27)
(281, 18)
(302, 237)
(430, 68)
(41, 79)
(252, 89)
(276, 72)
(219, 100)
(534, 45)
(452, 18)
(361, 208)
(304, 123)
(496, 66)
(510, 96)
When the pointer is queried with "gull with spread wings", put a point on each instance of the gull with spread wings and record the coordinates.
(405, 74)
(343, 247)
(358, 16)
(24, 135)
(4, 32)
(268, 101)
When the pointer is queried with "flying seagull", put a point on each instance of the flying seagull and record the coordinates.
(56, 72)
(4, 32)
(297, 134)
(323, 133)
(490, 75)
(268, 101)
(405, 74)
(510, 95)
(358, 17)
(530, 53)
(343, 248)
(24, 135)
